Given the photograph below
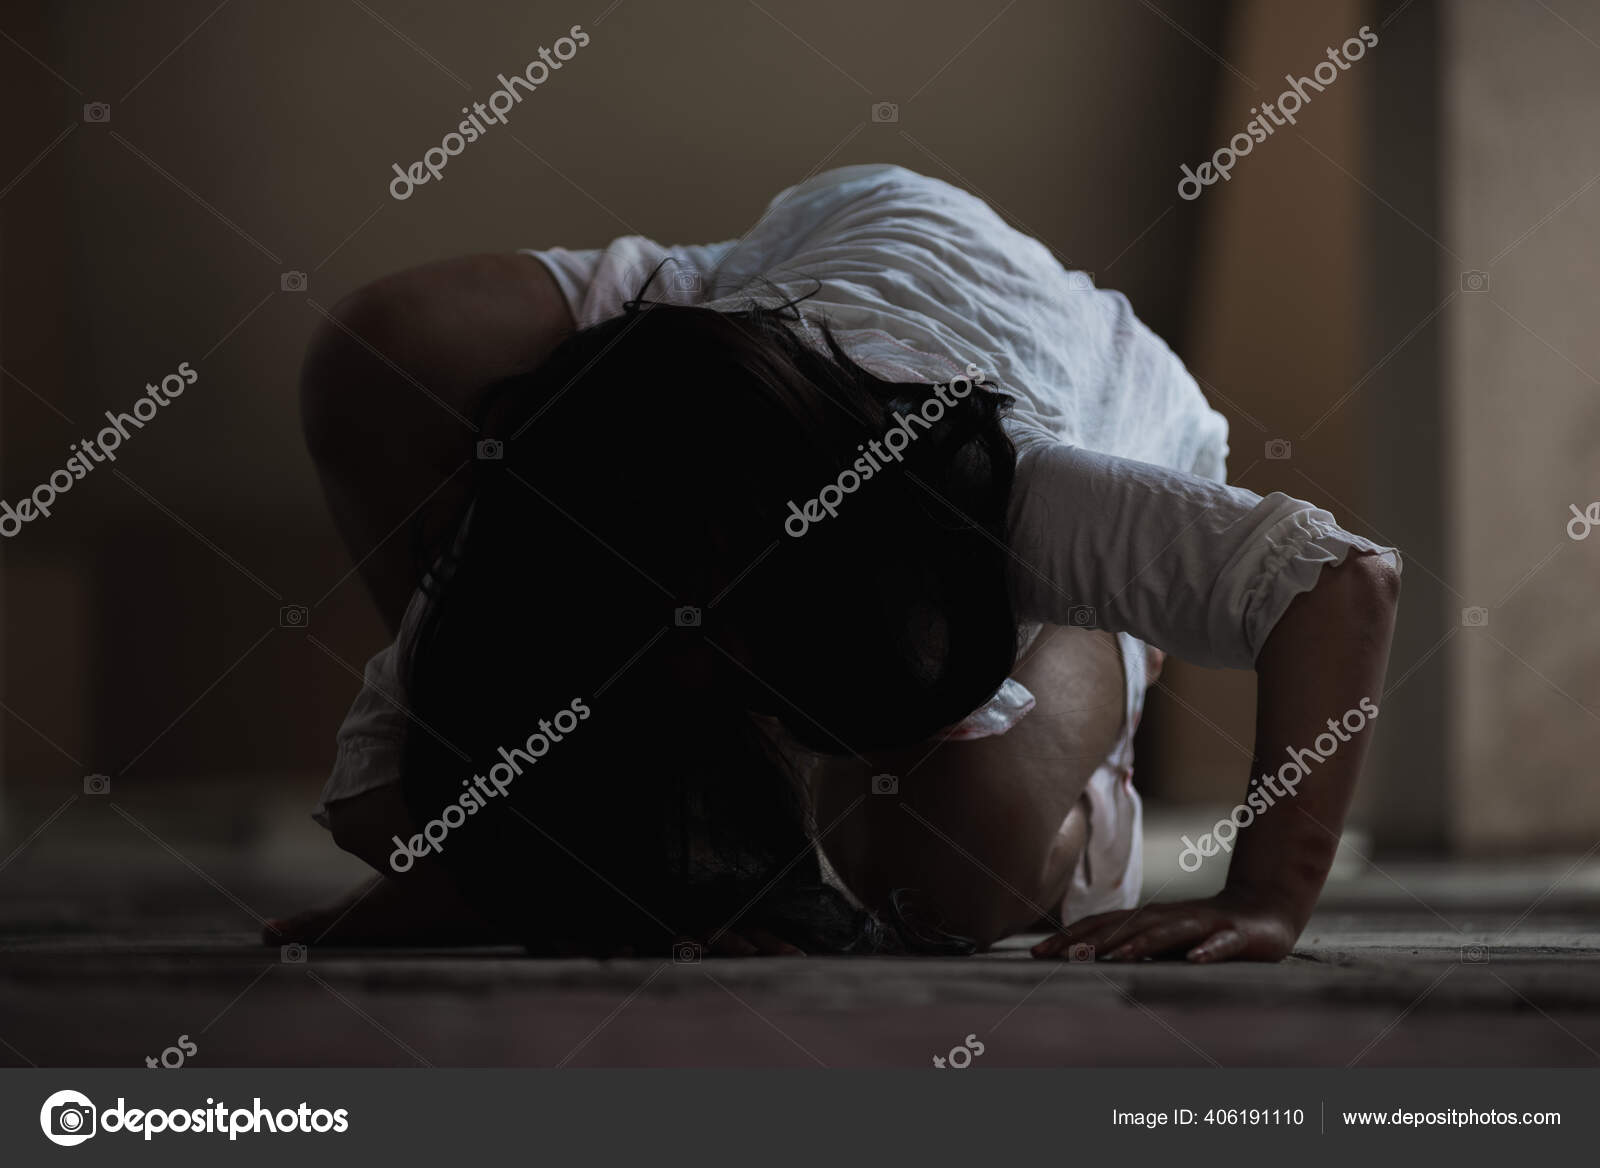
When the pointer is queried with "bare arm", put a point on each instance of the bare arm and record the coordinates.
(986, 831)
(1327, 653)
(388, 391)
(1322, 660)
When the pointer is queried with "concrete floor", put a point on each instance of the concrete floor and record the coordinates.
(120, 932)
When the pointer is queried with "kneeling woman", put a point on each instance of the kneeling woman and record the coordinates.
(800, 592)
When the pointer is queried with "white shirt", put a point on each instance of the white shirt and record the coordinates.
(1120, 517)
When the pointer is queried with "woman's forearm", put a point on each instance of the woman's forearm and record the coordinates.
(1320, 678)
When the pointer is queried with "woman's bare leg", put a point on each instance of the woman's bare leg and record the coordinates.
(387, 395)
(421, 907)
(985, 830)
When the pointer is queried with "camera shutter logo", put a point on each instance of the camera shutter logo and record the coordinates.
(67, 1118)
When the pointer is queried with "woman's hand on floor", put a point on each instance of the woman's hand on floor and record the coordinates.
(1225, 927)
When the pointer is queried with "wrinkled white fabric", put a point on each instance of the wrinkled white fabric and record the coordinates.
(1120, 518)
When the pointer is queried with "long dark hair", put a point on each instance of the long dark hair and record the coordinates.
(624, 548)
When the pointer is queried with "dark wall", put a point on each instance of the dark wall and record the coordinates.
(141, 620)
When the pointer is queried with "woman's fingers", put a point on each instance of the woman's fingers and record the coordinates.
(1051, 946)
(1073, 934)
(1132, 935)
(1057, 944)
(1161, 938)
(1116, 934)
(1098, 932)
(1222, 946)
(1220, 928)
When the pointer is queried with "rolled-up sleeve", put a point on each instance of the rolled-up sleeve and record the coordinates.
(1195, 567)
(596, 282)
(370, 745)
